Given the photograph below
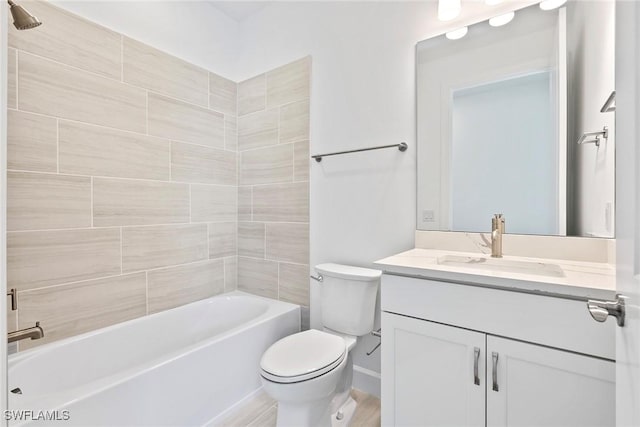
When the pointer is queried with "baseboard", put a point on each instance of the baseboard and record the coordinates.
(366, 380)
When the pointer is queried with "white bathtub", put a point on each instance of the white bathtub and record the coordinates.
(181, 367)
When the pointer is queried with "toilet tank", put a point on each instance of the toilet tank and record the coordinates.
(348, 298)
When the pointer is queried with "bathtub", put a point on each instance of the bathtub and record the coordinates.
(181, 367)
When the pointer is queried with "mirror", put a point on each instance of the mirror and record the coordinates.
(512, 119)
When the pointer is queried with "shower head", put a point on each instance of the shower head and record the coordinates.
(22, 19)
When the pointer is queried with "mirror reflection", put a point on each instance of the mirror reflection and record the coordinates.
(519, 119)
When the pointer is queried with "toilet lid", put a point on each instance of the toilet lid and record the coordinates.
(302, 356)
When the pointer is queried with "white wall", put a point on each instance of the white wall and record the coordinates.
(363, 94)
(192, 30)
(362, 205)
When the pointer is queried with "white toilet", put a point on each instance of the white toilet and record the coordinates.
(310, 373)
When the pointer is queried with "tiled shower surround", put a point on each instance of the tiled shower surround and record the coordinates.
(138, 182)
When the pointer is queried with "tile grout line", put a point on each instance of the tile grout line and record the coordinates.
(119, 80)
(146, 291)
(111, 227)
(121, 252)
(122, 274)
(116, 129)
(132, 179)
(58, 155)
(122, 58)
(91, 183)
(146, 114)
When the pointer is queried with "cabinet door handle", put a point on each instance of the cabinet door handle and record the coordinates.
(494, 356)
(476, 359)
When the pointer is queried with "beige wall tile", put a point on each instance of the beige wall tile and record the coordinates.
(158, 246)
(58, 90)
(194, 163)
(258, 276)
(213, 203)
(135, 202)
(223, 94)
(72, 309)
(37, 201)
(258, 130)
(289, 83)
(153, 69)
(230, 274)
(222, 239)
(175, 286)
(294, 122)
(230, 133)
(267, 165)
(281, 202)
(244, 204)
(301, 161)
(288, 242)
(41, 258)
(251, 95)
(98, 151)
(31, 142)
(12, 79)
(251, 239)
(70, 39)
(177, 120)
(294, 283)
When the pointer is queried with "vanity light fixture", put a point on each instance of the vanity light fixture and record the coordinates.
(500, 20)
(448, 9)
(457, 34)
(551, 4)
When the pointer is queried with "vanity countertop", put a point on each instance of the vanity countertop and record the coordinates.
(578, 279)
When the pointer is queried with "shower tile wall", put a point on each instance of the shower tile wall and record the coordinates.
(273, 192)
(122, 182)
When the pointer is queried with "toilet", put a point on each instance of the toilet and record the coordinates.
(310, 373)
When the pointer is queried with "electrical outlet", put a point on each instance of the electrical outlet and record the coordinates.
(428, 216)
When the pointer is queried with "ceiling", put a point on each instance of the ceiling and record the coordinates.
(239, 10)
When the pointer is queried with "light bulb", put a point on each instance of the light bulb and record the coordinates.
(498, 21)
(457, 34)
(448, 9)
(551, 4)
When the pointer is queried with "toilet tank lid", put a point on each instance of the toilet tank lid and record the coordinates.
(348, 272)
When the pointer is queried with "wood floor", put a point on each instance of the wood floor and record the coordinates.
(261, 410)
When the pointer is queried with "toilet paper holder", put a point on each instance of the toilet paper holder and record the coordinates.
(378, 334)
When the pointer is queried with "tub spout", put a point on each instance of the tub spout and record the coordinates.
(34, 332)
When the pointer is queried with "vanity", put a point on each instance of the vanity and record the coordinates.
(515, 118)
(510, 343)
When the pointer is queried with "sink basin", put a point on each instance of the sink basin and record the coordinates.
(501, 264)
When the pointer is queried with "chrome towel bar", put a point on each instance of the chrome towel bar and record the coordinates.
(604, 133)
(610, 103)
(402, 147)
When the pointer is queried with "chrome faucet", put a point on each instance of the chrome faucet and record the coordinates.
(497, 230)
(34, 332)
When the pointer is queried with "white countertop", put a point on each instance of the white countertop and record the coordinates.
(581, 279)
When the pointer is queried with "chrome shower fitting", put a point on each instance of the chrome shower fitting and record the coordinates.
(22, 19)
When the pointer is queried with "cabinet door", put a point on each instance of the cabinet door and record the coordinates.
(428, 376)
(540, 386)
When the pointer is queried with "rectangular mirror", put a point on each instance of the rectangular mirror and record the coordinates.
(514, 119)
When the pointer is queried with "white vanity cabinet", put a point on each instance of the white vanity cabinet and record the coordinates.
(463, 355)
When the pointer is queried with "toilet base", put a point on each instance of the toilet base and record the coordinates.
(342, 417)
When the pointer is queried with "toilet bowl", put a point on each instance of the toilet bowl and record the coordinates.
(310, 373)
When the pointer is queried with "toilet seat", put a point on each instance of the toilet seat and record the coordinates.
(302, 356)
